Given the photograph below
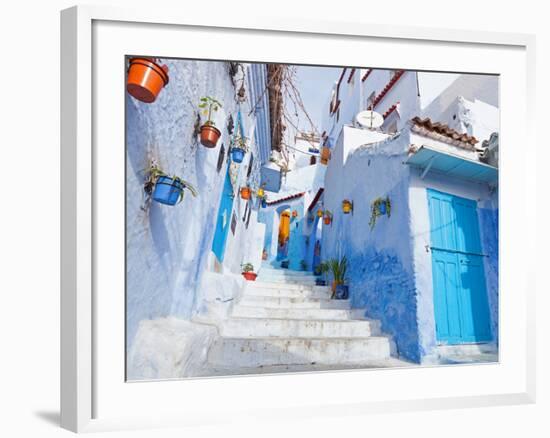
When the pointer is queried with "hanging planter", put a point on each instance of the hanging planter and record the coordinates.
(245, 193)
(380, 207)
(167, 190)
(260, 193)
(264, 203)
(347, 206)
(294, 214)
(328, 217)
(310, 218)
(238, 149)
(146, 78)
(319, 213)
(325, 155)
(208, 131)
(248, 272)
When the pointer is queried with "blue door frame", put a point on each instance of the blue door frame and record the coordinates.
(224, 218)
(460, 296)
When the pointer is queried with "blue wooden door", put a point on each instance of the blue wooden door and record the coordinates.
(224, 218)
(460, 296)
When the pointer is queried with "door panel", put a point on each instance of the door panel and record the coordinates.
(224, 218)
(460, 298)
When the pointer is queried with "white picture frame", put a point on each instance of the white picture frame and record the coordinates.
(82, 379)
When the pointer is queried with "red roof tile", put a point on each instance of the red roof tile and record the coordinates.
(366, 75)
(442, 129)
(391, 109)
(388, 87)
(286, 198)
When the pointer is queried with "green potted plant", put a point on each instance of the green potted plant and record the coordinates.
(209, 133)
(165, 189)
(303, 265)
(248, 271)
(379, 207)
(338, 268)
(321, 269)
(239, 148)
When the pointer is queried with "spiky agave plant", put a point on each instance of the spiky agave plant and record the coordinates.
(338, 268)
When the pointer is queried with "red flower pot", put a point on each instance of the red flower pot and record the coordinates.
(145, 79)
(250, 276)
(245, 193)
(210, 136)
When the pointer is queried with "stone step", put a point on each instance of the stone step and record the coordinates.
(287, 290)
(298, 328)
(296, 303)
(240, 311)
(259, 351)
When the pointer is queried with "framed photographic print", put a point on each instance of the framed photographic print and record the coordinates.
(379, 172)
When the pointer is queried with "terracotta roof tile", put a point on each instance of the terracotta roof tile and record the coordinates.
(388, 87)
(453, 136)
(286, 198)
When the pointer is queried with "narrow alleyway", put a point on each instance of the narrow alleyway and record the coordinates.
(284, 322)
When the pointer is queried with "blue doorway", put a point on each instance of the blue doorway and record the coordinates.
(224, 218)
(460, 296)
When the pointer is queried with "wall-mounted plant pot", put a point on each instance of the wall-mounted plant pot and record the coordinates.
(245, 193)
(382, 208)
(284, 264)
(146, 79)
(168, 191)
(325, 155)
(237, 155)
(342, 292)
(250, 276)
(313, 150)
(327, 220)
(294, 214)
(264, 203)
(210, 136)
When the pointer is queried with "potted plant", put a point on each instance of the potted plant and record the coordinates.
(245, 193)
(379, 207)
(146, 78)
(238, 149)
(284, 264)
(248, 271)
(338, 269)
(167, 190)
(303, 265)
(294, 214)
(321, 269)
(328, 217)
(264, 202)
(209, 133)
(325, 155)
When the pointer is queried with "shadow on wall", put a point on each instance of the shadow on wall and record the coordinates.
(380, 284)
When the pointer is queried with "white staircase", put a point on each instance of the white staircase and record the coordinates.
(283, 319)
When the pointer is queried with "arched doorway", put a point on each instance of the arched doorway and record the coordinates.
(284, 234)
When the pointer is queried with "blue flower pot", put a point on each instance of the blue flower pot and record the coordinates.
(284, 264)
(237, 155)
(382, 208)
(167, 191)
(319, 282)
(264, 203)
(342, 292)
(313, 150)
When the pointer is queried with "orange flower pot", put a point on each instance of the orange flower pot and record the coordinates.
(327, 221)
(245, 193)
(325, 155)
(210, 136)
(145, 79)
(319, 213)
(250, 276)
(294, 213)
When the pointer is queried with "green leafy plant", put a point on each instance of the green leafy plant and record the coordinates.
(303, 265)
(338, 268)
(376, 210)
(247, 267)
(154, 172)
(208, 105)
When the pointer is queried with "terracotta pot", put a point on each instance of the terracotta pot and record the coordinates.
(325, 155)
(245, 193)
(250, 276)
(145, 79)
(294, 213)
(210, 136)
(327, 221)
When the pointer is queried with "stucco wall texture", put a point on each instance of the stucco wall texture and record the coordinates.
(168, 247)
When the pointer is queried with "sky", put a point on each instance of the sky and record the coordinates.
(315, 84)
